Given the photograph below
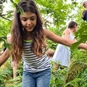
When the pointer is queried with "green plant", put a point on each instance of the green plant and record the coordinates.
(58, 78)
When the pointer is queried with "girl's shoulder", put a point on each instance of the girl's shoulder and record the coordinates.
(67, 31)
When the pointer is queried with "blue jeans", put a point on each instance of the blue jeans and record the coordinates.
(38, 79)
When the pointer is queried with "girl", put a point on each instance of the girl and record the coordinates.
(28, 42)
(62, 53)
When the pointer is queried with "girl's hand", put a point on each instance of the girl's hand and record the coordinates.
(83, 46)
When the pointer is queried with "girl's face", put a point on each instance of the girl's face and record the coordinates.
(85, 4)
(28, 21)
(75, 28)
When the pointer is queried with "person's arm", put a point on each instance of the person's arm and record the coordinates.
(83, 46)
(50, 35)
(4, 56)
(1, 52)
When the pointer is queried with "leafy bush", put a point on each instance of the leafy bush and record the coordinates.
(5, 73)
(58, 78)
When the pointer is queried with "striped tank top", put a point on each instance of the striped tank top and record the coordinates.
(31, 62)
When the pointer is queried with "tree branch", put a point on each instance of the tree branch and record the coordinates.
(5, 18)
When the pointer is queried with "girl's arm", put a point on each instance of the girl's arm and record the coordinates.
(83, 46)
(50, 35)
(4, 56)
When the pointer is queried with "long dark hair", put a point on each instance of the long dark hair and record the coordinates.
(38, 39)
